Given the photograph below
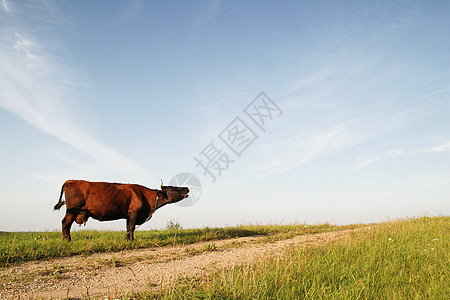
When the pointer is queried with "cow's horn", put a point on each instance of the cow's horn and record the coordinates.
(161, 183)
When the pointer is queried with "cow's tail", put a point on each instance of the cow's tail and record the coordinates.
(60, 203)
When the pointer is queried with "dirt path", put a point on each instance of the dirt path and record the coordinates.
(109, 275)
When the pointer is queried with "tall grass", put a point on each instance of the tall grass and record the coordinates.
(406, 259)
(25, 246)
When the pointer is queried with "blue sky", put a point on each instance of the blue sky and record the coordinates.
(132, 91)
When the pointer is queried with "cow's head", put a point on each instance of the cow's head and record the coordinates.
(172, 194)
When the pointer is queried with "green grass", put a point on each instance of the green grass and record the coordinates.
(406, 259)
(20, 246)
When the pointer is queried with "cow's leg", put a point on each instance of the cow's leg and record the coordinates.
(66, 224)
(131, 225)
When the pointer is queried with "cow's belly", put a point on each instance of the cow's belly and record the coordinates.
(105, 214)
(107, 211)
(107, 217)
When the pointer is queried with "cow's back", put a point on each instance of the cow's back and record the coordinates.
(103, 200)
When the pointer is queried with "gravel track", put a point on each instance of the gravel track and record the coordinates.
(111, 275)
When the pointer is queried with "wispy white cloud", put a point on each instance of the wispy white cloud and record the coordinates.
(434, 93)
(396, 152)
(5, 6)
(341, 129)
(366, 162)
(37, 87)
(439, 148)
(292, 152)
(310, 81)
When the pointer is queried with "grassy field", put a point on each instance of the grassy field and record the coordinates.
(17, 247)
(408, 259)
(403, 259)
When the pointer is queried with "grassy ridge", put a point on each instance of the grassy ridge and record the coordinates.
(20, 246)
(406, 259)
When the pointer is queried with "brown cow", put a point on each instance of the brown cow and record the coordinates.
(105, 201)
